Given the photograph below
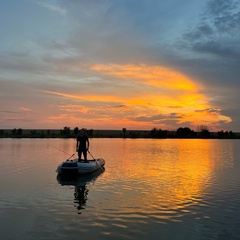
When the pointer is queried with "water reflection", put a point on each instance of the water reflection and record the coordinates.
(171, 180)
(152, 189)
(80, 196)
(81, 185)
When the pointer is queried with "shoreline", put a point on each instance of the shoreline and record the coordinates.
(124, 133)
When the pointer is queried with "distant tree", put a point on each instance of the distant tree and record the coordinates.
(66, 130)
(220, 133)
(42, 133)
(202, 128)
(76, 130)
(124, 130)
(203, 131)
(225, 134)
(33, 132)
(14, 131)
(133, 134)
(90, 132)
(2, 132)
(158, 133)
(162, 133)
(153, 132)
(19, 131)
(185, 132)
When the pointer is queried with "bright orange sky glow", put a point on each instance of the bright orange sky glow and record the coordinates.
(159, 77)
(153, 91)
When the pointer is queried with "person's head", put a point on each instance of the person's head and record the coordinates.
(82, 131)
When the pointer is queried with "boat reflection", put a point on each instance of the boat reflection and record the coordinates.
(81, 185)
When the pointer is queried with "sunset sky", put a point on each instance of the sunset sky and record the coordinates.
(113, 64)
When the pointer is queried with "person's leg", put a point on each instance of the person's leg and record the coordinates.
(85, 155)
(79, 155)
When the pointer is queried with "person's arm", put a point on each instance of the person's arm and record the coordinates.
(88, 144)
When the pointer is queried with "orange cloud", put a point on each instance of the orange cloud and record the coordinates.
(74, 108)
(58, 117)
(153, 91)
(150, 75)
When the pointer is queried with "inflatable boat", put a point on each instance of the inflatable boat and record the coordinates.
(74, 167)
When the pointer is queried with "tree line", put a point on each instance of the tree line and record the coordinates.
(67, 132)
(186, 132)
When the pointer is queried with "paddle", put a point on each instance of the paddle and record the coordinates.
(70, 157)
(96, 161)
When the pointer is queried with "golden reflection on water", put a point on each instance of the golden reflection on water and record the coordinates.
(161, 176)
(149, 185)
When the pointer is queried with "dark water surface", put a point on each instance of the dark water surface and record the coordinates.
(151, 189)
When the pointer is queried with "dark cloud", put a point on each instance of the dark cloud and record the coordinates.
(220, 20)
(160, 118)
(224, 15)
(118, 106)
(215, 38)
(210, 110)
(172, 119)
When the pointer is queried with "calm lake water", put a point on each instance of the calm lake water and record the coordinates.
(151, 189)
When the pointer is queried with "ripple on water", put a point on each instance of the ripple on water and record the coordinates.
(176, 190)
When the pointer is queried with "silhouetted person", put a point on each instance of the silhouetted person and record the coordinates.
(82, 145)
